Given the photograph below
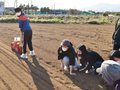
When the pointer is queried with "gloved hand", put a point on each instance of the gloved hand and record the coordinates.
(86, 71)
(98, 70)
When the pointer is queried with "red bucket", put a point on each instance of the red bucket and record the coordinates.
(15, 46)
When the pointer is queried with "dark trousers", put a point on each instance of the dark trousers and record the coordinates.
(116, 47)
(27, 40)
(97, 65)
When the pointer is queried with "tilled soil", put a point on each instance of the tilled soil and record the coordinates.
(43, 71)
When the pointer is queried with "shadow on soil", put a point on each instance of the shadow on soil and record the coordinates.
(87, 81)
(40, 76)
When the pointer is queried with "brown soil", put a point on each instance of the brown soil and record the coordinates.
(43, 71)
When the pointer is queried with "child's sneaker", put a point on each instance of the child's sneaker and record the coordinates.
(24, 56)
(32, 53)
(73, 74)
(65, 68)
(86, 71)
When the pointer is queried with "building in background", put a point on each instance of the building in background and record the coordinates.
(2, 8)
(9, 10)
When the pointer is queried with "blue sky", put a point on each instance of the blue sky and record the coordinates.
(62, 4)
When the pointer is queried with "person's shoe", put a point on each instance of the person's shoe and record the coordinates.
(65, 68)
(24, 56)
(87, 72)
(73, 74)
(32, 53)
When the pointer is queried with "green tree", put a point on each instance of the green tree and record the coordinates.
(35, 8)
(118, 13)
(45, 9)
(73, 12)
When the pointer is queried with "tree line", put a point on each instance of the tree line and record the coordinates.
(31, 8)
(46, 10)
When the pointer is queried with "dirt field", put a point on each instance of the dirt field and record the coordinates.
(43, 71)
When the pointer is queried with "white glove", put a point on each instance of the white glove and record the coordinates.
(86, 71)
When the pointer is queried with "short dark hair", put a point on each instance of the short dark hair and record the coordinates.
(66, 43)
(81, 47)
(18, 9)
(115, 54)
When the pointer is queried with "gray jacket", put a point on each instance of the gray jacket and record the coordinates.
(110, 71)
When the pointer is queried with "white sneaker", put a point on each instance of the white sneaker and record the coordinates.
(24, 56)
(65, 68)
(73, 74)
(32, 53)
(86, 71)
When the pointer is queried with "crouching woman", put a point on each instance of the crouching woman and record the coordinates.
(110, 71)
(67, 56)
(89, 59)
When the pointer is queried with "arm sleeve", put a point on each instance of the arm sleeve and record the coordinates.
(72, 54)
(117, 34)
(116, 25)
(83, 63)
(89, 66)
(59, 54)
(113, 36)
(20, 24)
(86, 64)
(117, 30)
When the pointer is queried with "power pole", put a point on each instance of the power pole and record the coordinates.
(54, 9)
(6, 2)
(16, 3)
(4, 6)
(32, 7)
(31, 3)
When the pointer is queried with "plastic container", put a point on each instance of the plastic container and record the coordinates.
(15, 45)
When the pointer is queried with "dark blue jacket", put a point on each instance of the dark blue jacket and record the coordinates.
(116, 34)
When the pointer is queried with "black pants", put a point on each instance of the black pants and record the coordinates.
(116, 47)
(27, 40)
(97, 65)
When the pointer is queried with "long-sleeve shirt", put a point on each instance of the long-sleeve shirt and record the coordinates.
(110, 71)
(116, 34)
(89, 59)
(70, 53)
(24, 23)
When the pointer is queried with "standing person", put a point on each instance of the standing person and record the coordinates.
(116, 36)
(26, 32)
(67, 56)
(115, 56)
(89, 59)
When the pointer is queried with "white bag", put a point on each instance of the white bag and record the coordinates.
(17, 39)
